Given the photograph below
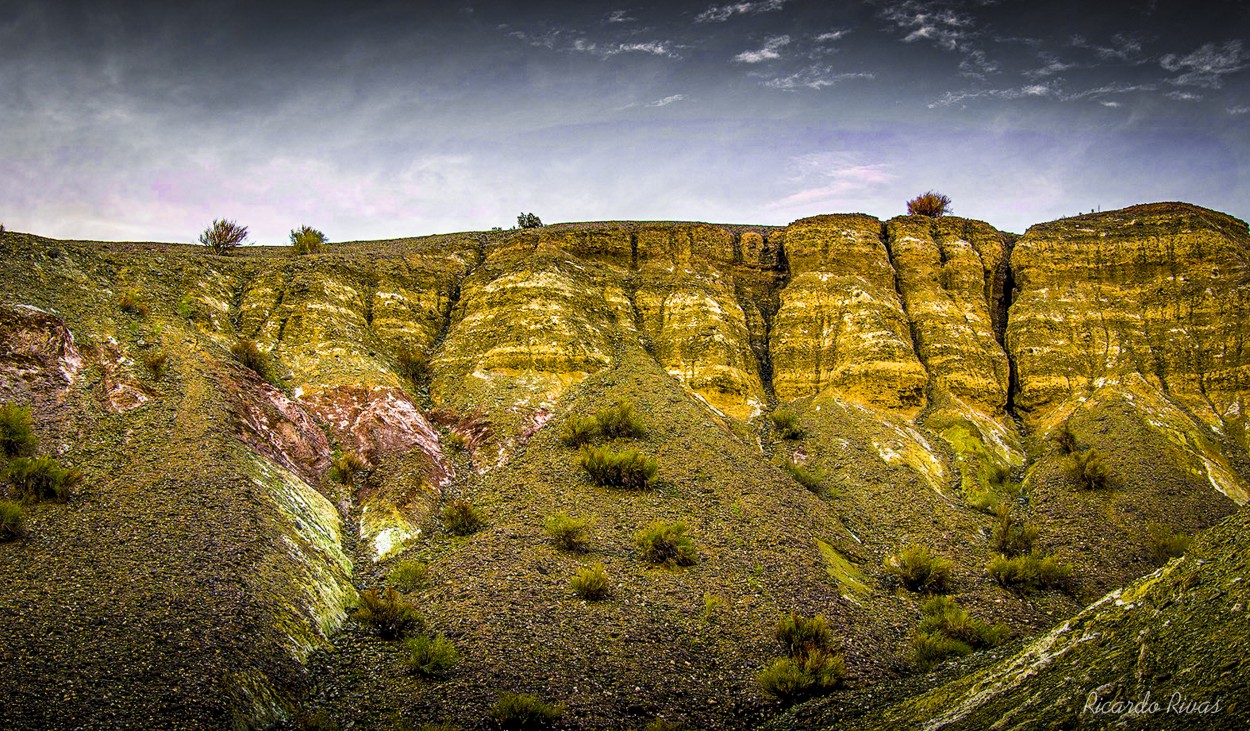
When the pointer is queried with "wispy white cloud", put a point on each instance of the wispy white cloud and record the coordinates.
(931, 21)
(1123, 47)
(667, 100)
(1237, 111)
(1051, 65)
(813, 77)
(1030, 91)
(833, 35)
(770, 51)
(721, 13)
(1206, 67)
(829, 179)
(978, 65)
(620, 16)
(1184, 96)
(569, 41)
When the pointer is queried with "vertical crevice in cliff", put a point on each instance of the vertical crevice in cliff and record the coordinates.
(902, 299)
(631, 294)
(452, 294)
(757, 291)
(1006, 297)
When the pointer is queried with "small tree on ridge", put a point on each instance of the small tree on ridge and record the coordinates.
(931, 204)
(223, 236)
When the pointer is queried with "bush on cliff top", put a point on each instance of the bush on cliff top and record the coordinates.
(931, 204)
(223, 236)
(307, 240)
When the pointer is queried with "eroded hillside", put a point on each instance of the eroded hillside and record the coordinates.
(201, 574)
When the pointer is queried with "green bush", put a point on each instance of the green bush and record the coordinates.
(521, 712)
(408, 575)
(461, 518)
(528, 220)
(130, 303)
(1164, 543)
(629, 469)
(919, 569)
(579, 430)
(157, 362)
(307, 240)
(567, 532)
(413, 365)
(41, 478)
(713, 607)
(12, 521)
(812, 665)
(1064, 439)
(810, 477)
(932, 204)
(799, 634)
(1089, 470)
(1011, 536)
(17, 432)
(1029, 572)
(666, 543)
(792, 679)
(620, 422)
(390, 615)
(930, 648)
(343, 468)
(249, 356)
(591, 582)
(223, 236)
(947, 629)
(433, 657)
(787, 424)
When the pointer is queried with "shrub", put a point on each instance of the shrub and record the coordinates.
(17, 433)
(1164, 543)
(223, 236)
(414, 365)
(457, 441)
(157, 362)
(713, 606)
(799, 634)
(579, 430)
(787, 424)
(1011, 536)
(590, 582)
(461, 518)
(930, 648)
(307, 240)
(433, 657)
(630, 468)
(344, 467)
(12, 521)
(943, 614)
(620, 421)
(812, 664)
(919, 569)
(319, 721)
(947, 629)
(1089, 470)
(567, 532)
(521, 712)
(390, 615)
(41, 478)
(666, 543)
(528, 220)
(130, 303)
(810, 477)
(1029, 572)
(249, 356)
(408, 575)
(932, 204)
(791, 679)
(1064, 439)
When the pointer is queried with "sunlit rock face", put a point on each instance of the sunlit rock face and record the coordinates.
(688, 304)
(841, 327)
(1151, 290)
(947, 270)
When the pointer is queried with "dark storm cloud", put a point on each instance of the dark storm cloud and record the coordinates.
(148, 120)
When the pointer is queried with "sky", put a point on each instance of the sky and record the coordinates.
(147, 121)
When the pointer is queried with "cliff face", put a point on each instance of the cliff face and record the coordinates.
(930, 361)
